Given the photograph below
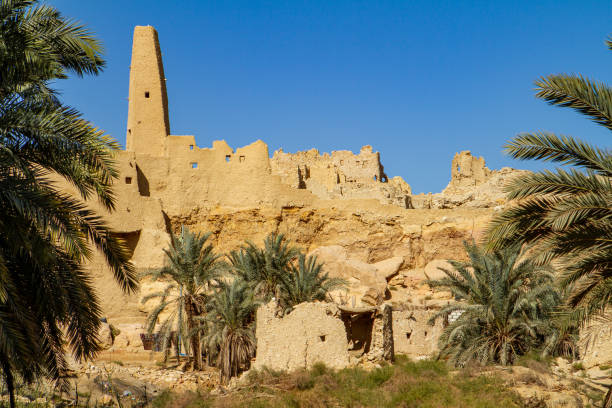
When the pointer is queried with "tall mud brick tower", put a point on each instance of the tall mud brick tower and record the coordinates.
(148, 125)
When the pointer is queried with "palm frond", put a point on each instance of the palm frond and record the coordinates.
(591, 98)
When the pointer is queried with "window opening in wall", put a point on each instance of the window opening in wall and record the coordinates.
(459, 168)
(408, 334)
(190, 147)
(242, 158)
(194, 165)
(146, 94)
(228, 157)
(375, 178)
(130, 131)
(425, 334)
(128, 180)
(322, 338)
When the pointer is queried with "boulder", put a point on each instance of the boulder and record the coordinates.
(372, 297)
(432, 269)
(389, 267)
(398, 280)
(366, 282)
(105, 336)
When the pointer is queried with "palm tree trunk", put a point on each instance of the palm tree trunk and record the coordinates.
(607, 403)
(195, 338)
(10, 382)
(177, 346)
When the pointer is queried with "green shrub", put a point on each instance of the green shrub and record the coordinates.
(405, 383)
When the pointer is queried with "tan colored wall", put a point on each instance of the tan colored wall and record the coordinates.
(412, 335)
(223, 177)
(327, 170)
(467, 170)
(311, 333)
(148, 123)
(341, 175)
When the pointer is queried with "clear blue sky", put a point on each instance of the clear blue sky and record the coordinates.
(418, 80)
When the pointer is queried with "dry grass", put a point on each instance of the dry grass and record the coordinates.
(403, 384)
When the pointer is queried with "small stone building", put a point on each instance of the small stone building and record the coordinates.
(322, 332)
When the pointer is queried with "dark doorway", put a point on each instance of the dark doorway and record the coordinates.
(359, 332)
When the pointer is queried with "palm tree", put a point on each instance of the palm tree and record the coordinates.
(567, 213)
(262, 268)
(506, 301)
(306, 282)
(192, 268)
(230, 323)
(46, 298)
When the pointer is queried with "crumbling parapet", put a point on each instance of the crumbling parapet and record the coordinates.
(342, 174)
(472, 184)
(468, 170)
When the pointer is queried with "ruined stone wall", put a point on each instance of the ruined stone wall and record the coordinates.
(412, 335)
(341, 175)
(342, 166)
(193, 177)
(311, 333)
(472, 184)
(467, 170)
(182, 175)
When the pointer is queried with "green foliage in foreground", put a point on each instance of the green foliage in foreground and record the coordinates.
(404, 384)
(48, 306)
